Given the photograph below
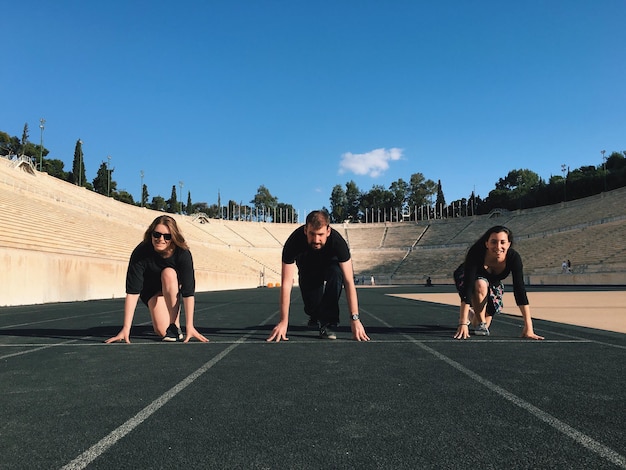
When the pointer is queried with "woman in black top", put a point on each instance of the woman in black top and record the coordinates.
(160, 273)
(479, 283)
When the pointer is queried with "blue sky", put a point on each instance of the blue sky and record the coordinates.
(301, 96)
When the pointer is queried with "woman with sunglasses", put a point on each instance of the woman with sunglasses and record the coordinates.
(160, 273)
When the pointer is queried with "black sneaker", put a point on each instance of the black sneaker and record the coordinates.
(173, 334)
(328, 332)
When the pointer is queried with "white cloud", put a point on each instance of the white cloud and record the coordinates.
(372, 163)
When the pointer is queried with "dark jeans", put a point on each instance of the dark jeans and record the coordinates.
(321, 292)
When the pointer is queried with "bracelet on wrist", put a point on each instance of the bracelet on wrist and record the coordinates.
(464, 324)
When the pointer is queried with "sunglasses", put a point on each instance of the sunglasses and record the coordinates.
(166, 236)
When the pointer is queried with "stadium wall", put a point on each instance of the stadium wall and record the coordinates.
(591, 279)
(33, 277)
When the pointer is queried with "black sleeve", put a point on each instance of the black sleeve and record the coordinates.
(469, 279)
(186, 276)
(135, 271)
(341, 247)
(293, 246)
(470, 272)
(517, 271)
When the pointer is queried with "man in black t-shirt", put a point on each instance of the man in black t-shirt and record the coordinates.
(324, 268)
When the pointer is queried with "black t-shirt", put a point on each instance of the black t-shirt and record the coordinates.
(297, 250)
(145, 266)
(474, 268)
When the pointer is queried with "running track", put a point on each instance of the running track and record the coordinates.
(411, 398)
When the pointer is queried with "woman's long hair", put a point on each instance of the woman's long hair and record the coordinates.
(170, 223)
(478, 249)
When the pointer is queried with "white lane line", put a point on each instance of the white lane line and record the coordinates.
(105, 443)
(104, 312)
(40, 348)
(603, 343)
(73, 343)
(588, 442)
(57, 319)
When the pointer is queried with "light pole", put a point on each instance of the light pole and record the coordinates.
(604, 167)
(141, 192)
(564, 169)
(42, 123)
(180, 196)
(109, 176)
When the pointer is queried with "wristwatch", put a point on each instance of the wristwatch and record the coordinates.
(355, 316)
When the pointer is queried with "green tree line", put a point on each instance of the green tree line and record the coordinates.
(263, 207)
(422, 198)
(416, 199)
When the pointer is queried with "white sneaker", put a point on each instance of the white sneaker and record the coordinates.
(327, 332)
(482, 330)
